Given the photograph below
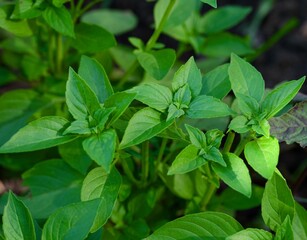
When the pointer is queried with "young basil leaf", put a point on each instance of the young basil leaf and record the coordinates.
(197, 137)
(78, 127)
(299, 222)
(58, 3)
(212, 3)
(214, 137)
(73, 221)
(248, 105)
(17, 220)
(235, 175)
(182, 97)
(154, 95)
(239, 124)
(101, 148)
(95, 76)
(144, 125)
(60, 20)
(216, 82)
(251, 234)
(120, 101)
(262, 128)
(245, 79)
(42, 133)
(262, 155)
(92, 38)
(223, 18)
(80, 98)
(221, 45)
(214, 155)
(187, 160)
(100, 118)
(274, 211)
(188, 74)
(157, 63)
(174, 112)
(280, 97)
(104, 186)
(285, 231)
(206, 225)
(291, 126)
(207, 107)
(53, 184)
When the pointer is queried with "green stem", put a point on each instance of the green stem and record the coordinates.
(162, 149)
(152, 41)
(88, 6)
(284, 30)
(129, 174)
(145, 162)
(59, 57)
(243, 141)
(229, 141)
(130, 70)
(51, 48)
(210, 190)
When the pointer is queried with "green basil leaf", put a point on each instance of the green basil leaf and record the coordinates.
(180, 12)
(187, 160)
(214, 155)
(17, 220)
(299, 222)
(78, 127)
(188, 74)
(42, 133)
(144, 125)
(222, 18)
(207, 107)
(234, 200)
(74, 155)
(262, 128)
(281, 96)
(16, 107)
(251, 234)
(292, 126)
(73, 221)
(59, 3)
(197, 137)
(154, 95)
(25, 10)
(53, 184)
(120, 101)
(80, 98)
(248, 105)
(285, 231)
(101, 148)
(216, 82)
(212, 3)
(262, 155)
(19, 28)
(239, 124)
(108, 19)
(174, 112)
(245, 79)
(223, 44)
(277, 202)
(235, 175)
(206, 225)
(105, 186)
(157, 63)
(92, 38)
(60, 20)
(95, 76)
